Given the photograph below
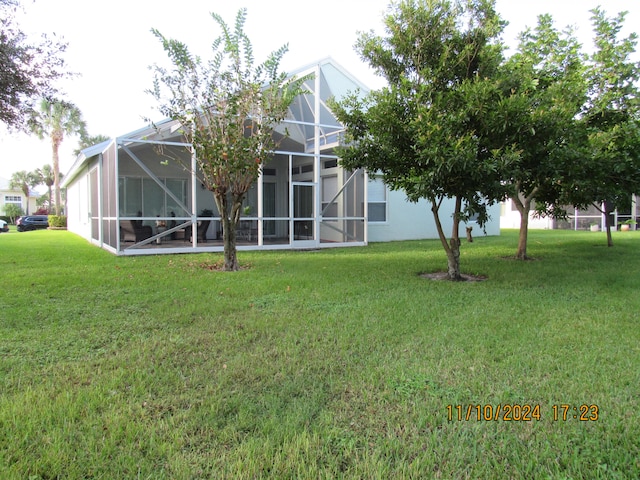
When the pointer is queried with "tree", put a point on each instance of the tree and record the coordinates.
(47, 177)
(29, 70)
(547, 76)
(23, 181)
(55, 119)
(12, 211)
(610, 172)
(42, 203)
(435, 130)
(89, 141)
(228, 107)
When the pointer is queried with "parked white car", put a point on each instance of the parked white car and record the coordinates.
(3, 226)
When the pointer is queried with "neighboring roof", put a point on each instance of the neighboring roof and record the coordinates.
(5, 186)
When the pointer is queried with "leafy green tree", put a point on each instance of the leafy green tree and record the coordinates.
(546, 75)
(436, 130)
(12, 211)
(24, 181)
(29, 70)
(55, 119)
(610, 172)
(228, 107)
(42, 202)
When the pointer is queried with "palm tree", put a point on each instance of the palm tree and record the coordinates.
(46, 177)
(55, 119)
(24, 181)
(89, 141)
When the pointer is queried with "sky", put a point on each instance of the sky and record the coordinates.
(111, 47)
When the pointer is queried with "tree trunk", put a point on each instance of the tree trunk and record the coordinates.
(25, 190)
(453, 260)
(523, 204)
(56, 173)
(469, 235)
(230, 250)
(608, 211)
(523, 236)
(452, 247)
(524, 208)
(229, 216)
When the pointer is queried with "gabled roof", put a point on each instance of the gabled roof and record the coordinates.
(83, 157)
(335, 82)
(333, 70)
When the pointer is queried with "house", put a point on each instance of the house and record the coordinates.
(588, 219)
(14, 196)
(139, 193)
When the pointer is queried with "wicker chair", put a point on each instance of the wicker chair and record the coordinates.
(134, 231)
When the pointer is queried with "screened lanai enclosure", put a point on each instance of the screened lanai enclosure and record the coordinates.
(140, 193)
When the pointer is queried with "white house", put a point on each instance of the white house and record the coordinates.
(14, 196)
(588, 219)
(139, 193)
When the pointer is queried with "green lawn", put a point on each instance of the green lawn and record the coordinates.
(340, 363)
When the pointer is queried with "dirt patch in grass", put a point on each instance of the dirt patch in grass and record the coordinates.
(444, 276)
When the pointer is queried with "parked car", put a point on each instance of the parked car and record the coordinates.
(32, 222)
(3, 226)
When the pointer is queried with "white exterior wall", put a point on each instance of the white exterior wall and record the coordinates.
(414, 221)
(510, 218)
(78, 195)
(5, 190)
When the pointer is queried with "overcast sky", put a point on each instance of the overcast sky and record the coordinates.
(111, 46)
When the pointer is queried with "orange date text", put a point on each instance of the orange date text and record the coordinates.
(501, 412)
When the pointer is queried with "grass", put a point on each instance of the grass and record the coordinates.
(337, 363)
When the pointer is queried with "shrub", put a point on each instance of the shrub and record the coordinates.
(58, 221)
(13, 211)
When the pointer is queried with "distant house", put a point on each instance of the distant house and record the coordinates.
(13, 196)
(588, 219)
(138, 194)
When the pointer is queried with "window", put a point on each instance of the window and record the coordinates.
(333, 163)
(269, 208)
(377, 202)
(329, 191)
(130, 190)
(15, 199)
(143, 196)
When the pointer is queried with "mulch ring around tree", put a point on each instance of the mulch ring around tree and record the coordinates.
(217, 266)
(442, 276)
(527, 259)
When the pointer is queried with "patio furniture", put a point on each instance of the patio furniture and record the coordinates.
(134, 231)
(247, 230)
(203, 226)
(172, 224)
(202, 230)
